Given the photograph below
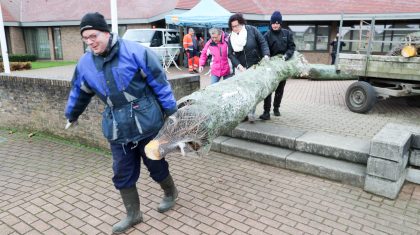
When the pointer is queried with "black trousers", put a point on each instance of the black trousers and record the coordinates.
(278, 95)
(332, 59)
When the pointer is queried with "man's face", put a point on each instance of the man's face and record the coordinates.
(276, 26)
(215, 37)
(96, 40)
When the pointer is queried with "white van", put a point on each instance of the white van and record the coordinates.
(161, 41)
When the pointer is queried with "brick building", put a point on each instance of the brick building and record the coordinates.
(50, 29)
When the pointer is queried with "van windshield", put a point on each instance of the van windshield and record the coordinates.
(142, 36)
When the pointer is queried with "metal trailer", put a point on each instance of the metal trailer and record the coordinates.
(380, 76)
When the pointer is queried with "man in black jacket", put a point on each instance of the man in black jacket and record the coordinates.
(280, 41)
(334, 46)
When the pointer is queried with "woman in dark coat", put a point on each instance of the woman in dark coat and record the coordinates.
(247, 47)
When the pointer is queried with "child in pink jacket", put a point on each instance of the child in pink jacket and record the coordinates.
(217, 47)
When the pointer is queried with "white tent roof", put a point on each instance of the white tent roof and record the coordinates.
(207, 13)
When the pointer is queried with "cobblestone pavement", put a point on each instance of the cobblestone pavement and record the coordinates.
(51, 187)
(320, 106)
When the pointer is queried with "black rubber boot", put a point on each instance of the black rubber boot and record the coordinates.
(130, 198)
(276, 112)
(170, 194)
(265, 116)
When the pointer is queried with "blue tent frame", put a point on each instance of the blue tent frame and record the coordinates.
(206, 14)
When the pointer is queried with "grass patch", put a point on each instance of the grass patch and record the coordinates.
(49, 64)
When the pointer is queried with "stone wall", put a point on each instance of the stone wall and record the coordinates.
(38, 105)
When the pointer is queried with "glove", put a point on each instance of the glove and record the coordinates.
(200, 69)
(70, 124)
(267, 58)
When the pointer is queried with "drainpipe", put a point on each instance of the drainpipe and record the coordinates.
(114, 16)
(3, 45)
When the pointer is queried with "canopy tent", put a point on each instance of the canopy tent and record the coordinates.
(207, 14)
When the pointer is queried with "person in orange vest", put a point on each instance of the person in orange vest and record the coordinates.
(190, 43)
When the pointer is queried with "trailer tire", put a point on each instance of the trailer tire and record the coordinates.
(360, 97)
(413, 101)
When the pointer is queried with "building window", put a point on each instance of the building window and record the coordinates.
(310, 37)
(58, 51)
(304, 36)
(322, 35)
(37, 43)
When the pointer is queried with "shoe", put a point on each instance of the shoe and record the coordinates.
(245, 119)
(265, 116)
(276, 112)
(191, 72)
(251, 118)
(170, 194)
(130, 198)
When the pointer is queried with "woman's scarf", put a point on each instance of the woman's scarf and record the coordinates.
(238, 41)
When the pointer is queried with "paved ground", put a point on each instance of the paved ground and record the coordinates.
(50, 187)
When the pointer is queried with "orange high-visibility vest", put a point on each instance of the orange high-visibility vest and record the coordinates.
(188, 42)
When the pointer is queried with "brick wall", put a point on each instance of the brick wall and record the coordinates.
(317, 57)
(38, 104)
(72, 44)
(17, 43)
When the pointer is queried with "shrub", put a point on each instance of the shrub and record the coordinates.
(16, 66)
(21, 58)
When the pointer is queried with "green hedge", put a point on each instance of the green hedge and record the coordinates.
(21, 58)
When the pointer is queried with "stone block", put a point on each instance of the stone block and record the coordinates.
(391, 144)
(271, 155)
(414, 157)
(215, 146)
(414, 129)
(342, 171)
(268, 133)
(340, 147)
(383, 187)
(385, 168)
(413, 175)
(415, 143)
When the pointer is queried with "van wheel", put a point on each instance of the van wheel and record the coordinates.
(360, 97)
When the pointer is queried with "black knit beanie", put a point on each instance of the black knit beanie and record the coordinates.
(93, 21)
(276, 18)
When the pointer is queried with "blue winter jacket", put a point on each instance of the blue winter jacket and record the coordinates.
(130, 80)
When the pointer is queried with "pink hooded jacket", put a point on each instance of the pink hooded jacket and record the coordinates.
(220, 62)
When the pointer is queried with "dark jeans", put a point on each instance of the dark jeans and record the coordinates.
(333, 59)
(278, 95)
(126, 164)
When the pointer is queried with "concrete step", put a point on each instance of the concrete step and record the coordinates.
(333, 169)
(319, 143)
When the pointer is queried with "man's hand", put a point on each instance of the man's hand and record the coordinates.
(285, 57)
(267, 58)
(200, 69)
(70, 124)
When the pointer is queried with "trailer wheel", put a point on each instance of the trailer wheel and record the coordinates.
(360, 97)
(413, 101)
